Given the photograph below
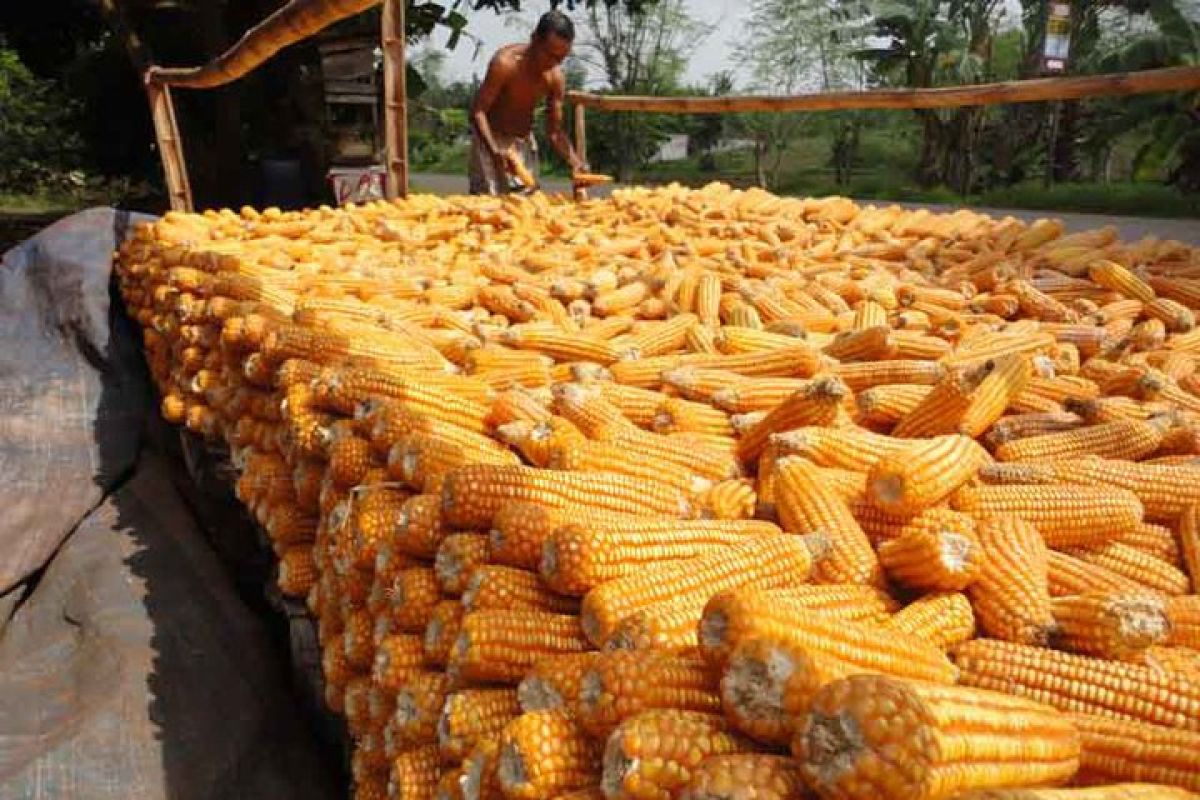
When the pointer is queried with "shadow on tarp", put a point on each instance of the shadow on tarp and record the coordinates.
(129, 667)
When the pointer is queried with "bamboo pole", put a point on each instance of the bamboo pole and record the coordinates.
(395, 99)
(170, 147)
(296, 20)
(162, 111)
(581, 132)
(1172, 79)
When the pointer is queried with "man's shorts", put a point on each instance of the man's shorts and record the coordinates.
(481, 172)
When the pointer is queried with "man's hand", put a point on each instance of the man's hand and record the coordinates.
(502, 164)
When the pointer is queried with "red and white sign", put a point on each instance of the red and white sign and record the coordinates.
(357, 184)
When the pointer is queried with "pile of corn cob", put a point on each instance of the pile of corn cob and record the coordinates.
(711, 494)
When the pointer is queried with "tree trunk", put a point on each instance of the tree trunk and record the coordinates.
(1066, 151)
(928, 171)
(760, 154)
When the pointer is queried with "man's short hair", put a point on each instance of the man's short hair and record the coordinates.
(557, 23)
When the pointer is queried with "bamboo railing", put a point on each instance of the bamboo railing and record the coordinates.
(1171, 79)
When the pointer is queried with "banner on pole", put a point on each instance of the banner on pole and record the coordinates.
(1058, 37)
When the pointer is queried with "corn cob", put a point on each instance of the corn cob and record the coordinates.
(1113, 276)
(554, 682)
(619, 684)
(474, 493)
(544, 753)
(806, 505)
(441, 631)
(1114, 626)
(1011, 597)
(1182, 660)
(816, 404)
(449, 785)
(733, 499)
(1080, 684)
(414, 593)
(519, 531)
(1155, 540)
(743, 395)
(652, 755)
(937, 551)
(418, 706)
(1145, 570)
(414, 774)
(866, 374)
(419, 531)
(884, 406)
(506, 588)
(950, 739)
(500, 646)
(578, 557)
(1189, 543)
(766, 561)
(1021, 426)
(1067, 516)
(738, 616)
(1069, 575)
(560, 345)
(457, 557)
(1115, 751)
(471, 717)
(744, 776)
(398, 659)
(840, 448)
(1183, 613)
(923, 474)
(1123, 439)
(944, 620)
(599, 457)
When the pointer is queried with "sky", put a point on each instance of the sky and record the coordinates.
(712, 55)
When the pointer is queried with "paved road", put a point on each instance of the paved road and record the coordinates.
(1129, 228)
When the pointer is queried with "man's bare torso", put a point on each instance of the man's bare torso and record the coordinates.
(512, 113)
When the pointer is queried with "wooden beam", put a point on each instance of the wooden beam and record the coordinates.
(162, 111)
(1172, 79)
(395, 100)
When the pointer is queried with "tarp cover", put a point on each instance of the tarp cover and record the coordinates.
(129, 667)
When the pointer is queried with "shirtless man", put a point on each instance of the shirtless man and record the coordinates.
(518, 77)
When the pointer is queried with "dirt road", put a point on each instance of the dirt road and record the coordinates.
(1129, 228)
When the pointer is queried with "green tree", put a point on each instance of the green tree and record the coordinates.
(37, 145)
(1166, 35)
(707, 130)
(791, 46)
(638, 51)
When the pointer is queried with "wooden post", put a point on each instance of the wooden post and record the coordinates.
(170, 148)
(395, 100)
(581, 132)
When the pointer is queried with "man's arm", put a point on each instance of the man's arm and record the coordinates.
(554, 128)
(500, 71)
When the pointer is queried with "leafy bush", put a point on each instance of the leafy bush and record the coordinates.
(38, 147)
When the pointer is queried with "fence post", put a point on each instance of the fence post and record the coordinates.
(581, 131)
(395, 100)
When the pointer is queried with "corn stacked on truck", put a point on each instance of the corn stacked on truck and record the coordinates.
(711, 494)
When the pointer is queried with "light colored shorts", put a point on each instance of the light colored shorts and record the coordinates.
(481, 172)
